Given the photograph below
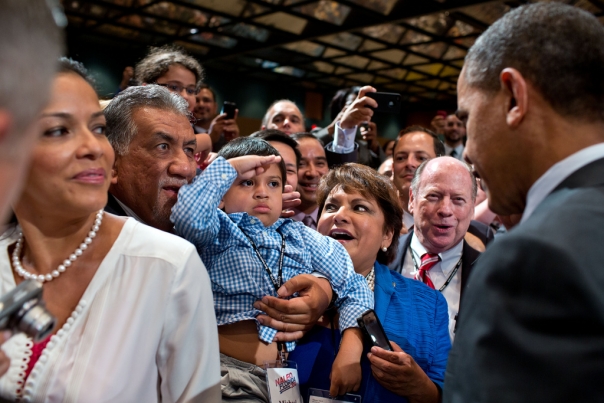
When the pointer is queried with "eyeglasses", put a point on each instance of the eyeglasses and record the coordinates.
(178, 88)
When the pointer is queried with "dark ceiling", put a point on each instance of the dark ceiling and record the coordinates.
(413, 47)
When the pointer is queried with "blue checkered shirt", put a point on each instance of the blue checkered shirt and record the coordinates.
(238, 277)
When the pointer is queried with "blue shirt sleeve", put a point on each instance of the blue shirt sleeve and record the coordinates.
(332, 260)
(196, 215)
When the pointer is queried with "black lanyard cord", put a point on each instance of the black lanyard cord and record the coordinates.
(457, 266)
(281, 347)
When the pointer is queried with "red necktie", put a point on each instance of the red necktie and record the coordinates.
(428, 262)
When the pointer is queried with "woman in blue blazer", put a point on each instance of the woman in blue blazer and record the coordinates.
(360, 209)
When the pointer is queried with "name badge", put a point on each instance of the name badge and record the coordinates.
(283, 381)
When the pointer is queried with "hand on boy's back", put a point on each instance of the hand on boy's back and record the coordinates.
(249, 166)
(290, 199)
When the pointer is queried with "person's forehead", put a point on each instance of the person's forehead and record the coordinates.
(415, 142)
(447, 175)
(150, 120)
(310, 148)
(286, 108)
(206, 95)
(179, 73)
(452, 119)
(286, 151)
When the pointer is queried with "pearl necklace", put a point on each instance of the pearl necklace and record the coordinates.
(66, 263)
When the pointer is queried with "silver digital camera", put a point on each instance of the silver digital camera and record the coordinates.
(23, 310)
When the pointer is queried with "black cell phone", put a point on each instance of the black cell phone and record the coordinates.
(388, 102)
(229, 109)
(372, 328)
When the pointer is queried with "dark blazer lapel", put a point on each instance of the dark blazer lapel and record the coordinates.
(468, 257)
(590, 175)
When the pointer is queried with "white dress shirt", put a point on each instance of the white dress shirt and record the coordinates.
(458, 151)
(439, 274)
(556, 175)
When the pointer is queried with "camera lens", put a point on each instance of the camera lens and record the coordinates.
(36, 323)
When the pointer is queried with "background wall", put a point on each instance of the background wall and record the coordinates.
(106, 60)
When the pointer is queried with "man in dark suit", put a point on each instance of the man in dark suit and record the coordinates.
(443, 192)
(532, 94)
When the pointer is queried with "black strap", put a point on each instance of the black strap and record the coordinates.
(281, 348)
(457, 266)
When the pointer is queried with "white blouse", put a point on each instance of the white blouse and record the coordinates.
(144, 330)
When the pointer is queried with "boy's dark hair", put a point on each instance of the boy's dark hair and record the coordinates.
(251, 146)
(279, 136)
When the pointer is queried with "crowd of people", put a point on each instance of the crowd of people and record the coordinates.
(178, 256)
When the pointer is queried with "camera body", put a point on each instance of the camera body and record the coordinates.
(23, 310)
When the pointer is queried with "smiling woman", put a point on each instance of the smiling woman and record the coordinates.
(107, 345)
(360, 209)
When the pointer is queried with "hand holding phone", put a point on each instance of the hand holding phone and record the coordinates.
(388, 102)
(229, 109)
(371, 327)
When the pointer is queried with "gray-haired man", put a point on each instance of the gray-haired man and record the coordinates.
(149, 128)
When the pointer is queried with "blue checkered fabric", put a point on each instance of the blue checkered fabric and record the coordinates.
(238, 277)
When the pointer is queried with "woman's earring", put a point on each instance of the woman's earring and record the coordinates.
(384, 249)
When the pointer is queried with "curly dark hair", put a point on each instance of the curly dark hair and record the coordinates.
(372, 186)
(158, 61)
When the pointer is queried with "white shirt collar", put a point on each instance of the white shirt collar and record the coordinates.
(448, 258)
(556, 175)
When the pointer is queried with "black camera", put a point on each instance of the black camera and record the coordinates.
(23, 310)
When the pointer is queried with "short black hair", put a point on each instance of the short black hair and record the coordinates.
(204, 86)
(556, 47)
(252, 146)
(278, 136)
(306, 135)
(439, 147)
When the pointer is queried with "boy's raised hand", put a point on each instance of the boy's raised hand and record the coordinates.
(249, 166)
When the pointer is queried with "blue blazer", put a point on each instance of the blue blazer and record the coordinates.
(413, 316)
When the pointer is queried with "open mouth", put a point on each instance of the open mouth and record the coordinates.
(173, 190)
(341, 235)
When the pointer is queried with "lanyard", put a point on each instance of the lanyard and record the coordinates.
(276, 284)
(282, 349)
(457, 266)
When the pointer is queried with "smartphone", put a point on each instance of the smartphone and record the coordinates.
(372, 328)
(229, 109)
(388, 102)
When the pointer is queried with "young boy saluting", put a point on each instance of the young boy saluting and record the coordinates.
(231, 214)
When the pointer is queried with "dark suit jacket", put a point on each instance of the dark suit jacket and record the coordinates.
(533, 323)
(469, 256)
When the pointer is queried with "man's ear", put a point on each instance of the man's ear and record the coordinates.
(515, 89)
(114, 170)
(411, 198)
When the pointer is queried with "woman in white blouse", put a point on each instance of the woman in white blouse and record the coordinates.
(133, 304)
